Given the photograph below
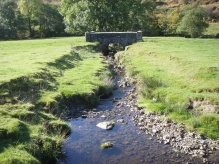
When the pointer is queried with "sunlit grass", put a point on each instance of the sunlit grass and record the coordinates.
(173, 73)
(26, 57)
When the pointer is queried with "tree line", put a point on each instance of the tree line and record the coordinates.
(29, 18)
(34, 18)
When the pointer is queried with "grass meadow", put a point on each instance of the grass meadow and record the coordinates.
(178, 77)
(39, 80)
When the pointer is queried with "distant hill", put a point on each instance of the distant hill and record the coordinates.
(212, 6)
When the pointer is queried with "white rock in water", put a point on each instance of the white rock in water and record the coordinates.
(107, 125)
(120, 121)
(103, 116)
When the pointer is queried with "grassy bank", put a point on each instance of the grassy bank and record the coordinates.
(178, 77)
(39, 79)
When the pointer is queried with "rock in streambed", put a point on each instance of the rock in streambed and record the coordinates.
(106, 125)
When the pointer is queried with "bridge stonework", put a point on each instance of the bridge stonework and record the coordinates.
(105, 38)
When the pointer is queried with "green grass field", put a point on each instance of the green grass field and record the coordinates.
(38, 80)
(178, 77)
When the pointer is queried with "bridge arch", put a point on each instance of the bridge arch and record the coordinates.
(105, 38)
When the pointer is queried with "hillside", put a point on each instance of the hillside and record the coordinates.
(212, 6)
(49, 1)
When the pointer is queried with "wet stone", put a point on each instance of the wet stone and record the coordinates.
(106, 125)
(120, 121)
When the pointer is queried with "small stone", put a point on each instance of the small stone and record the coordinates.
(154, 130)
(106, 145)
(166, 141)
(120, 121)
(205, 160)
(84, 116)
(140, 124)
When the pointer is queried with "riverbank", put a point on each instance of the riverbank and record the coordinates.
(178, 101)
(39, 80)
(178, 77)
(167, 131)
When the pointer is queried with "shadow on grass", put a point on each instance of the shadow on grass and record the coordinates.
(68, 61)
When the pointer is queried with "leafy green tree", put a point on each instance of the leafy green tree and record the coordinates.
(193, 23)
(76, 13)
(50, 21)
(173, 18)
(167, 21)
(30, 9)
(105, 15)
(7, 19)
(21, 25)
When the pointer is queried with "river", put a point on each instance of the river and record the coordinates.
(130, 144)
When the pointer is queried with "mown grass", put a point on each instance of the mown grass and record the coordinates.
(178, 77)
(39, 80)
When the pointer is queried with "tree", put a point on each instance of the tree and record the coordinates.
(193, 23)
(30, 9)
(173, 19)
(50, 21)
(105, 15)
(7, 19)
(75, 14)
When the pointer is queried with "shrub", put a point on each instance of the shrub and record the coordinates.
(192, 23)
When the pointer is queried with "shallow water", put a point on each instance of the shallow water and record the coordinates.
(130, 145)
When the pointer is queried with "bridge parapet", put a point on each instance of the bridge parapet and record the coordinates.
(123, 38)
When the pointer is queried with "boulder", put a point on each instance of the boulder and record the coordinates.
(106, 125)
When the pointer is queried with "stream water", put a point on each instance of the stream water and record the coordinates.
(130, 145)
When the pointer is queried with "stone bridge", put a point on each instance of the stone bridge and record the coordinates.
(105, 38)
